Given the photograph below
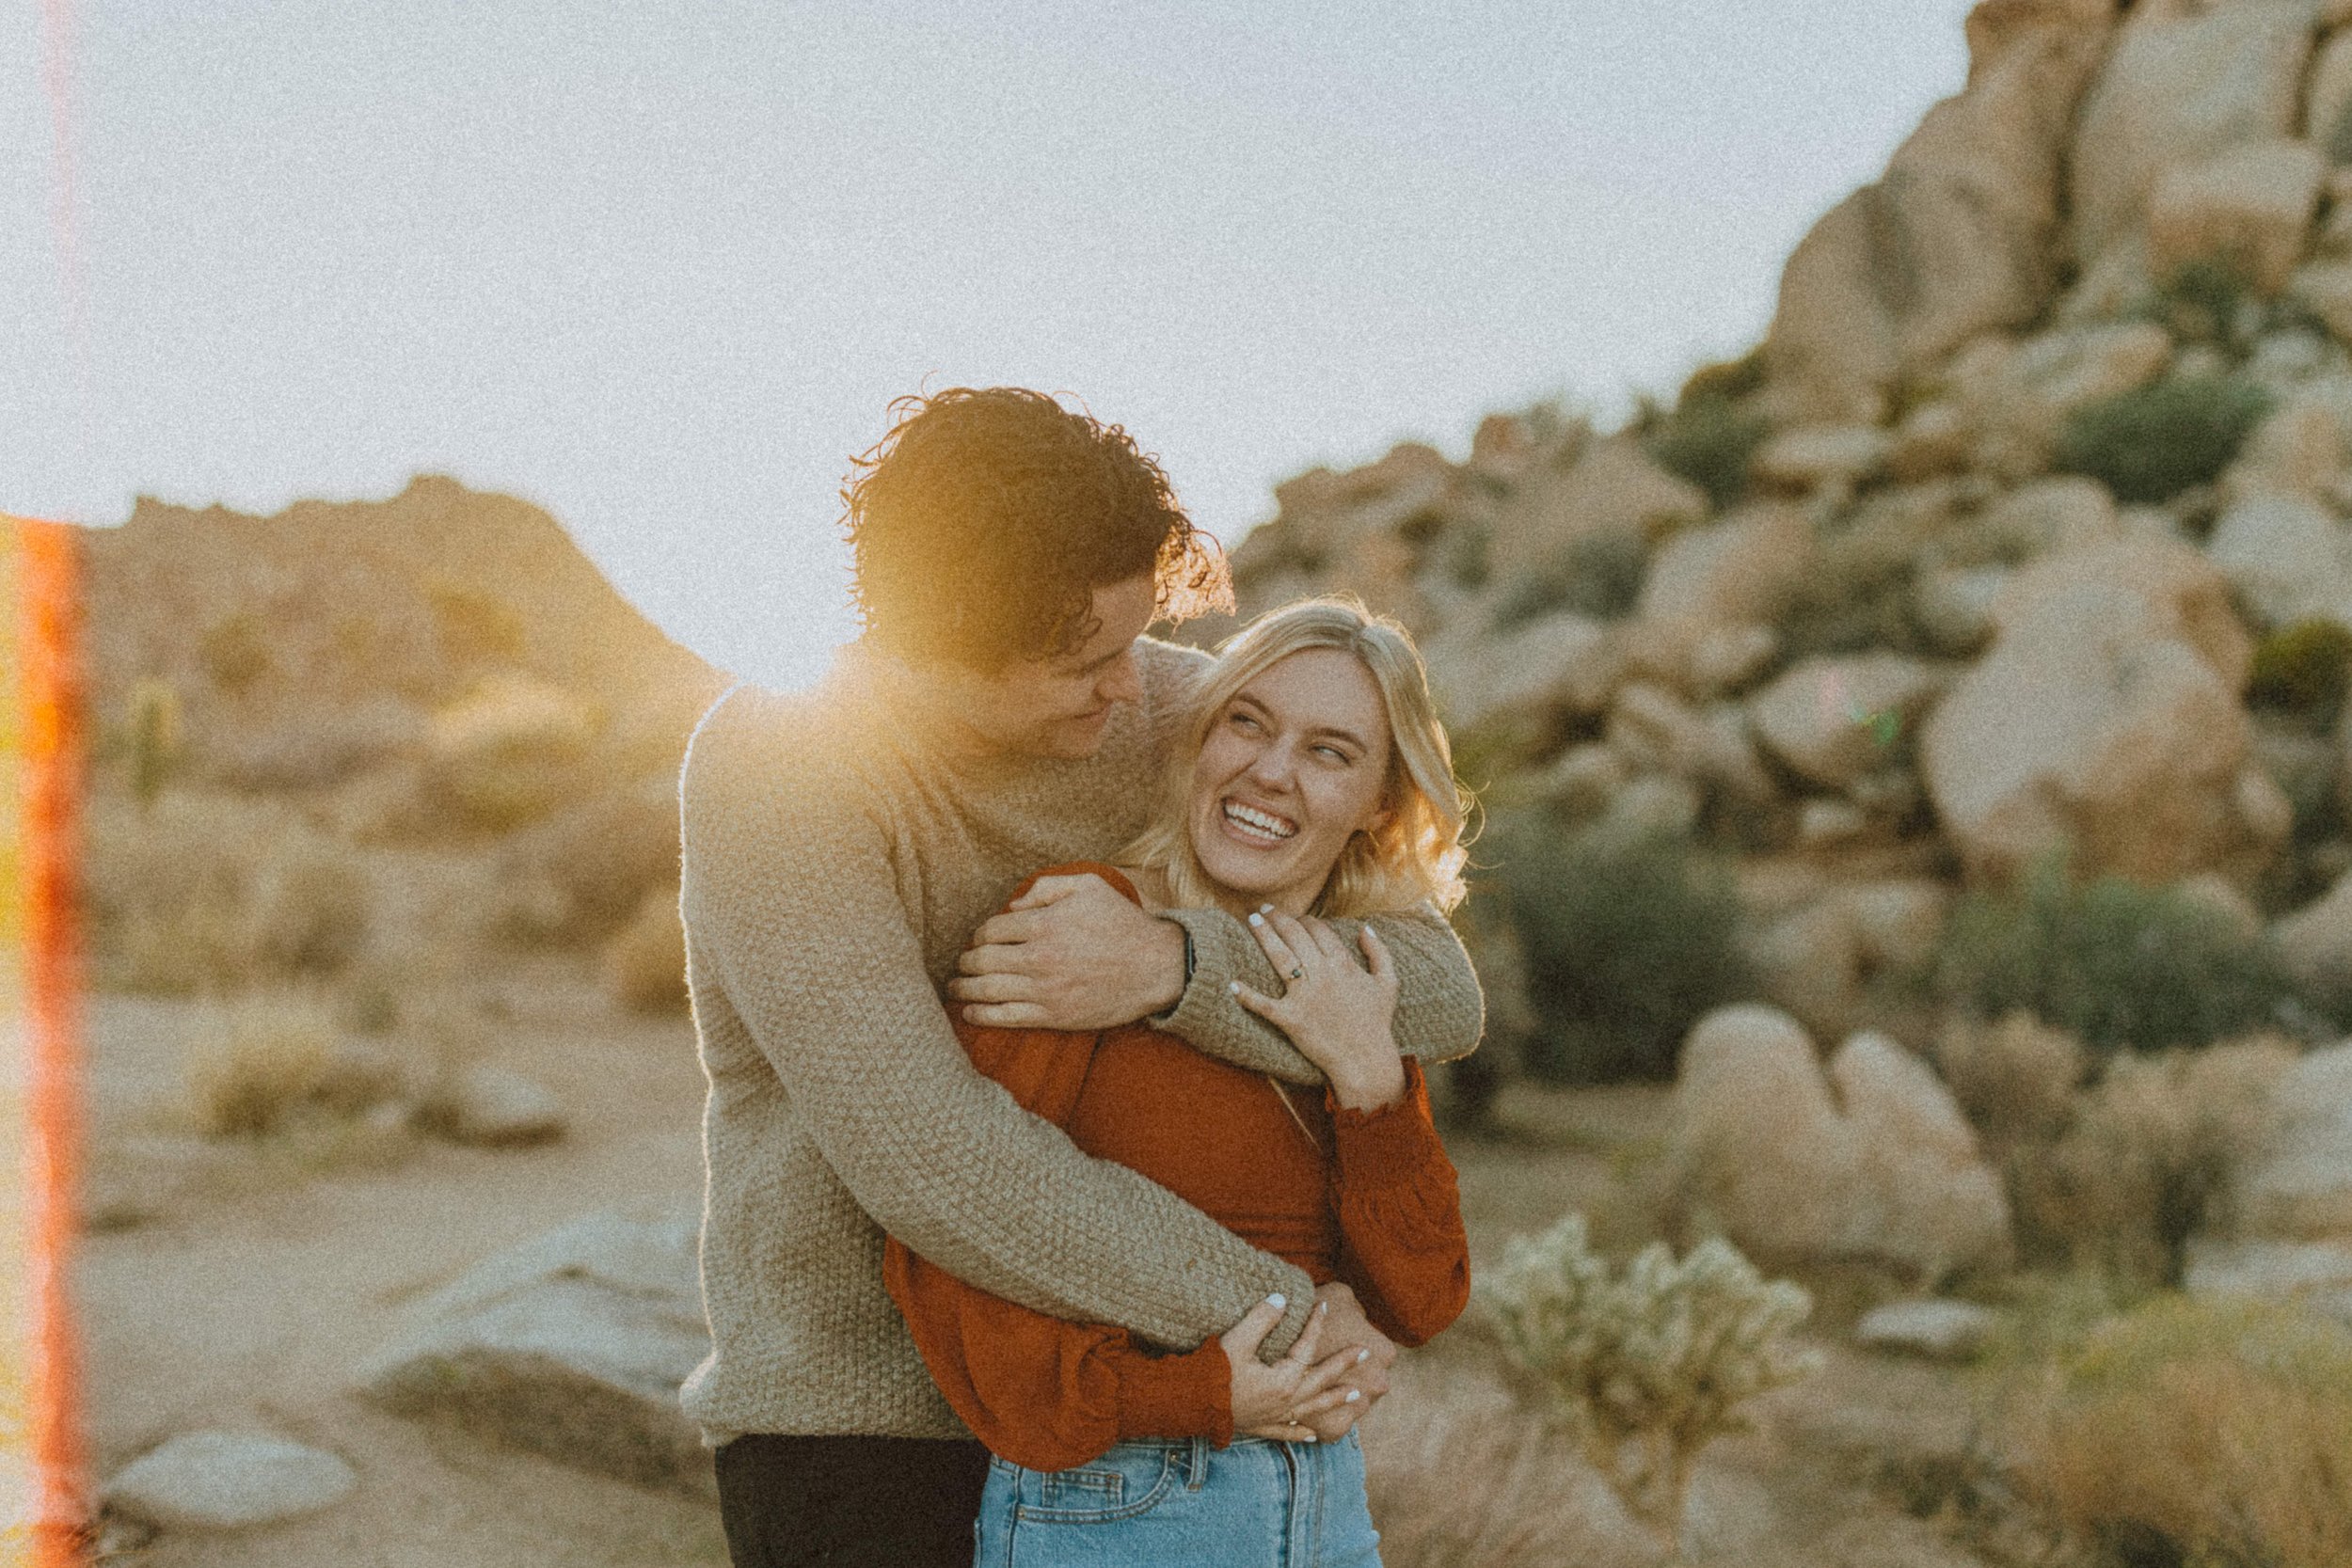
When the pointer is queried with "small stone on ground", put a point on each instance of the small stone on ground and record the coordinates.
(228, 1480)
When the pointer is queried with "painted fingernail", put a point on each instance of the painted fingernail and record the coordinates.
(1277, 1300)
(1256, 919)
(1266, 909)
(1233, 986)
(1363, 1356)
(1355, 1394)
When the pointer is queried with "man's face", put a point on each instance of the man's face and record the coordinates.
(1059, 706)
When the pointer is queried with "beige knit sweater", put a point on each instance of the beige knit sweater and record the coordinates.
(840, 848)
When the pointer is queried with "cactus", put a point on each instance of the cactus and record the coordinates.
(154, 730)
(1645, 1367)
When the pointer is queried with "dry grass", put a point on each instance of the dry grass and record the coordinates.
(2205, 1434)
(1460, 1476)
(509, 751)
(266, 1062)
(644, 963)
(2015, 1078)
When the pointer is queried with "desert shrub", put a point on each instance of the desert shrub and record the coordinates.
(1726, 380)
(2113, 962)
(2149, 1157)
(311, 908)
(263, 1061)
(1647, 1367)
(2304, 668)
(2015, 1078)
(644, 963)
(2201, 1433)
(2153, 442)
(508, 751)
(152, 734)
(1458, 1481)
(1628, 939)
(1709, 440)
(2204, 300)
(235, 652)
(597, 860)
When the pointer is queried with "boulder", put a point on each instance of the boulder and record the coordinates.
(1727, 658)
(1323, 515)
(2105, 719)
(2249, 207)
(1956, 238)
(2287, 558)
(216, 1479)
(2179, 89)
(1809, 961)
(2316, 1275)
(2315, 942)
(1953, 605)
(1657, 731)
(494, 1107)
(1614, 488)
(2296, 453)
(572, 1344)
(1899, 922)
(1934, 1329)
(2046, 515)
(1811, 456)
(1934, 438)
(1744, 570)
(1882, 1168)
(2301, 1187)
(2018, 396)
(2328, 94)
(1560, 660)
(1832, 719)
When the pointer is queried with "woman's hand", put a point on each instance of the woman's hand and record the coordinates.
(1335, 1010)
(1275, 1400)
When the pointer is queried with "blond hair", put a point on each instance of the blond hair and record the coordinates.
(1416, 852)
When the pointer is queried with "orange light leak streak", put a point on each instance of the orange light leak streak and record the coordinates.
(47, 636)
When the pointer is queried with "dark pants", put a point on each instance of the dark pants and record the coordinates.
(850, 1502)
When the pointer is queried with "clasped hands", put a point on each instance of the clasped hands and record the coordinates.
(1298, 1397)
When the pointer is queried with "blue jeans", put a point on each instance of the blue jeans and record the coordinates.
(1182, 1503)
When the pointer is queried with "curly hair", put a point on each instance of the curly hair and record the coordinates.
(982, 522)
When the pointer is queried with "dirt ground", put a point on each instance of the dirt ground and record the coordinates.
(218, 1287)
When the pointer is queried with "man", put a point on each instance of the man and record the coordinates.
(1002, 712)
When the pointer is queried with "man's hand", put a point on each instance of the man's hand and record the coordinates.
(1072, 953)
(1344, 1326)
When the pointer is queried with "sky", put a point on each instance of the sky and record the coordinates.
(662, 267)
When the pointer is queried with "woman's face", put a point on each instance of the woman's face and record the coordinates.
(1293, 765)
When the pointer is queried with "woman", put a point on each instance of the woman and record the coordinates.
(1320, 786)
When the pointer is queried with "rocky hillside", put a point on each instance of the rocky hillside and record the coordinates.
(2023, 531)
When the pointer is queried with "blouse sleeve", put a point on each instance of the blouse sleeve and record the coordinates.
(1040, 1391)
(1400, 1212)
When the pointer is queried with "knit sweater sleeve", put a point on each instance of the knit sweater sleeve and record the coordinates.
(790, 897)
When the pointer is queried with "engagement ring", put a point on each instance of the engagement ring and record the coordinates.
(1298, 974)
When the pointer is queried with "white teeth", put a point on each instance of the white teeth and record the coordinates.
(1257, 821)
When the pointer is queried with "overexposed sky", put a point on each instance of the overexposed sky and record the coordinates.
(661, 267)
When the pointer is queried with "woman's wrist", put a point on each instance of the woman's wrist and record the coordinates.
(1368, 1079)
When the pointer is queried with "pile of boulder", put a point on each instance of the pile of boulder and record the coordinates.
(1897, 645)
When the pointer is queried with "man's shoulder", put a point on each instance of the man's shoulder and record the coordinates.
(1168, 670)
(756, 734)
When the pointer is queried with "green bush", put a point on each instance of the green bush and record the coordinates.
(1628, 936)
(1709, 440)
(2304, 668)
(2115, 964)
(2152, 443)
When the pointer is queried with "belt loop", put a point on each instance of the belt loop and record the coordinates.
(1197, 1464)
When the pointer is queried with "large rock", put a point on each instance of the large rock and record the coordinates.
(2018, 395)
(1657, 731)
(494, 1107)
(1613, 489)
(2287, 558)
(2328, 93)
(1561, 660)
(2302, 1186)
(1834, 720)
(572, 1345)
(228, 1480)
(2298, 451)
(2179, 88)
(1957, 238)
(1744, 570)
(2315, 942)
(1881, 1168)
(2250, 206)
(2105, 719)
(1322, 514)
(1935, 1329)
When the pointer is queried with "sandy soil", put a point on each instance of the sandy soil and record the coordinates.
(223, 1288)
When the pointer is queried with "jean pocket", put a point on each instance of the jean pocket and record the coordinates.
(1130, 1480)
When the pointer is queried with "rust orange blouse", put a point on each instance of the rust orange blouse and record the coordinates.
(1371, 1200)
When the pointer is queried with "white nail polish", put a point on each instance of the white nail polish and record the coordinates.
(1355, 1394)
(1363, 1356)
(1233, 986)
(1257, 919)
(1277, 1300)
